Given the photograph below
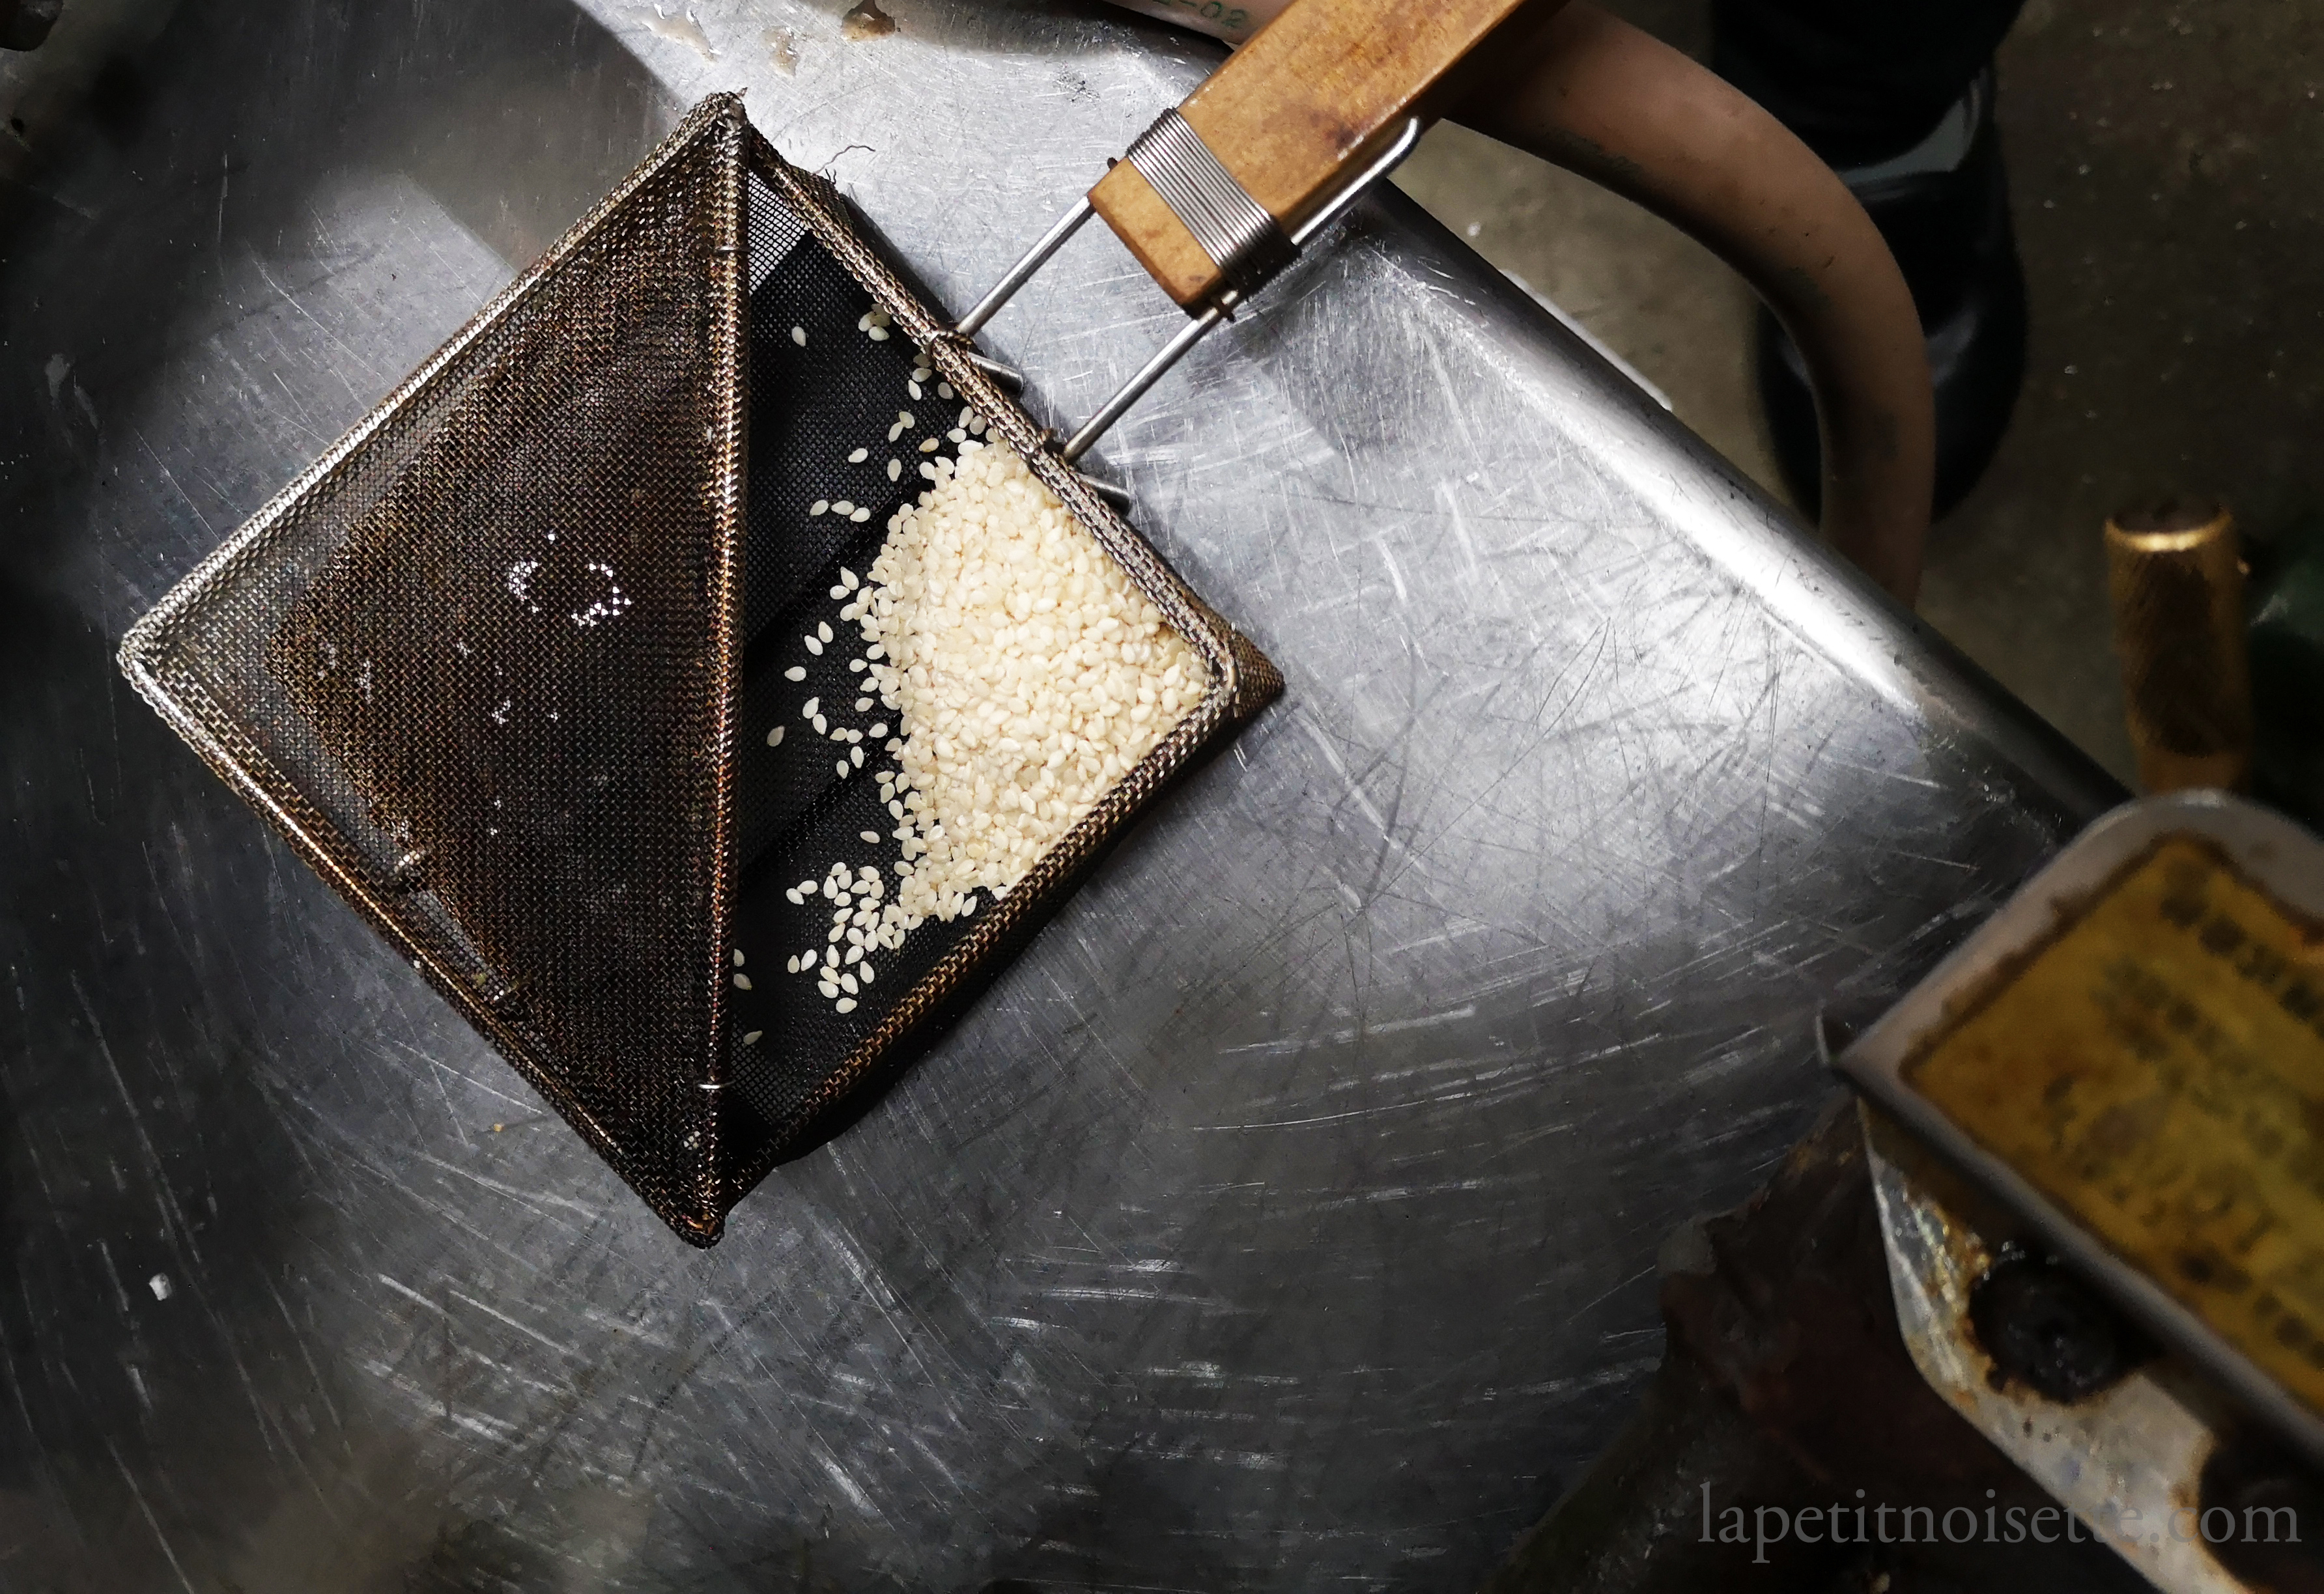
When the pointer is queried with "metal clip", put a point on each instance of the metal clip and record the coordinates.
(1221, 308)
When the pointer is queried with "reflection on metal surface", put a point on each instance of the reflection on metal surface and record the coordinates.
(2127, 1460)
(1284, 1219)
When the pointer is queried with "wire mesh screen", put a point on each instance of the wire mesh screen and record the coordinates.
(520, 665)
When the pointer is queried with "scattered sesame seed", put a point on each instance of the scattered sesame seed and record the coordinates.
(798, 335)
(741, 981)
(895, 469)
(863, 704)
(841, 766)
(818, 506)
(738, 957)
(752, 1039)
(858, 456)
(810, 708)
(944, 390)
(827, 987)
(813, 645)
(847, 1004)
(912, 387)
(796, 672)
(823, 629)
(775, 736)
(861, 515)
(821, 724)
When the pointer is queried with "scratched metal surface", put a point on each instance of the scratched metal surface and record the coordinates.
(1284, 1220)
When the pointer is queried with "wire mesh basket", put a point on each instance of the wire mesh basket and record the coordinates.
(501, 665)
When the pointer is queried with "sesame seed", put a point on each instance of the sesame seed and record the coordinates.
(855, 757)
(820, 723)
(775, 735)
(861, 704)
(827, 987)
(847, 983)
(752, 1039)
(790, 965)
(810, 708)
(944, 390)
(738, 957)
(818, 506)
(813, 645)
(861, 515)
(796, 672)
(895, 431)
(877, 335)
(741, 981)
(798, 335)
(849, 579)
(823, 629)
(858, 456)
(929, 446)
(847, 1004)
(842, 768)
(873, 836)
(864, 974)
(912, 387)
(895, 469)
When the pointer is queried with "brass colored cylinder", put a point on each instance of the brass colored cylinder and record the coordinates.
(2177, 579)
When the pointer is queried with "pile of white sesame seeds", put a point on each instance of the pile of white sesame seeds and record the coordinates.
(1024, 675)
(1030, 675)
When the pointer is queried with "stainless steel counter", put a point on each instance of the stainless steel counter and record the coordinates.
(1286, 1219)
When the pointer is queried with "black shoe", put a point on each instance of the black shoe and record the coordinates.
(1951, 233)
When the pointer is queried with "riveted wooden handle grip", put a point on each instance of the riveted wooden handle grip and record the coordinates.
(1296, 112)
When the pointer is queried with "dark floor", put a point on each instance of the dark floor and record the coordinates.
(2169, 172)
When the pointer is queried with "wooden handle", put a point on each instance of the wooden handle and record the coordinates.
(1295, 111)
